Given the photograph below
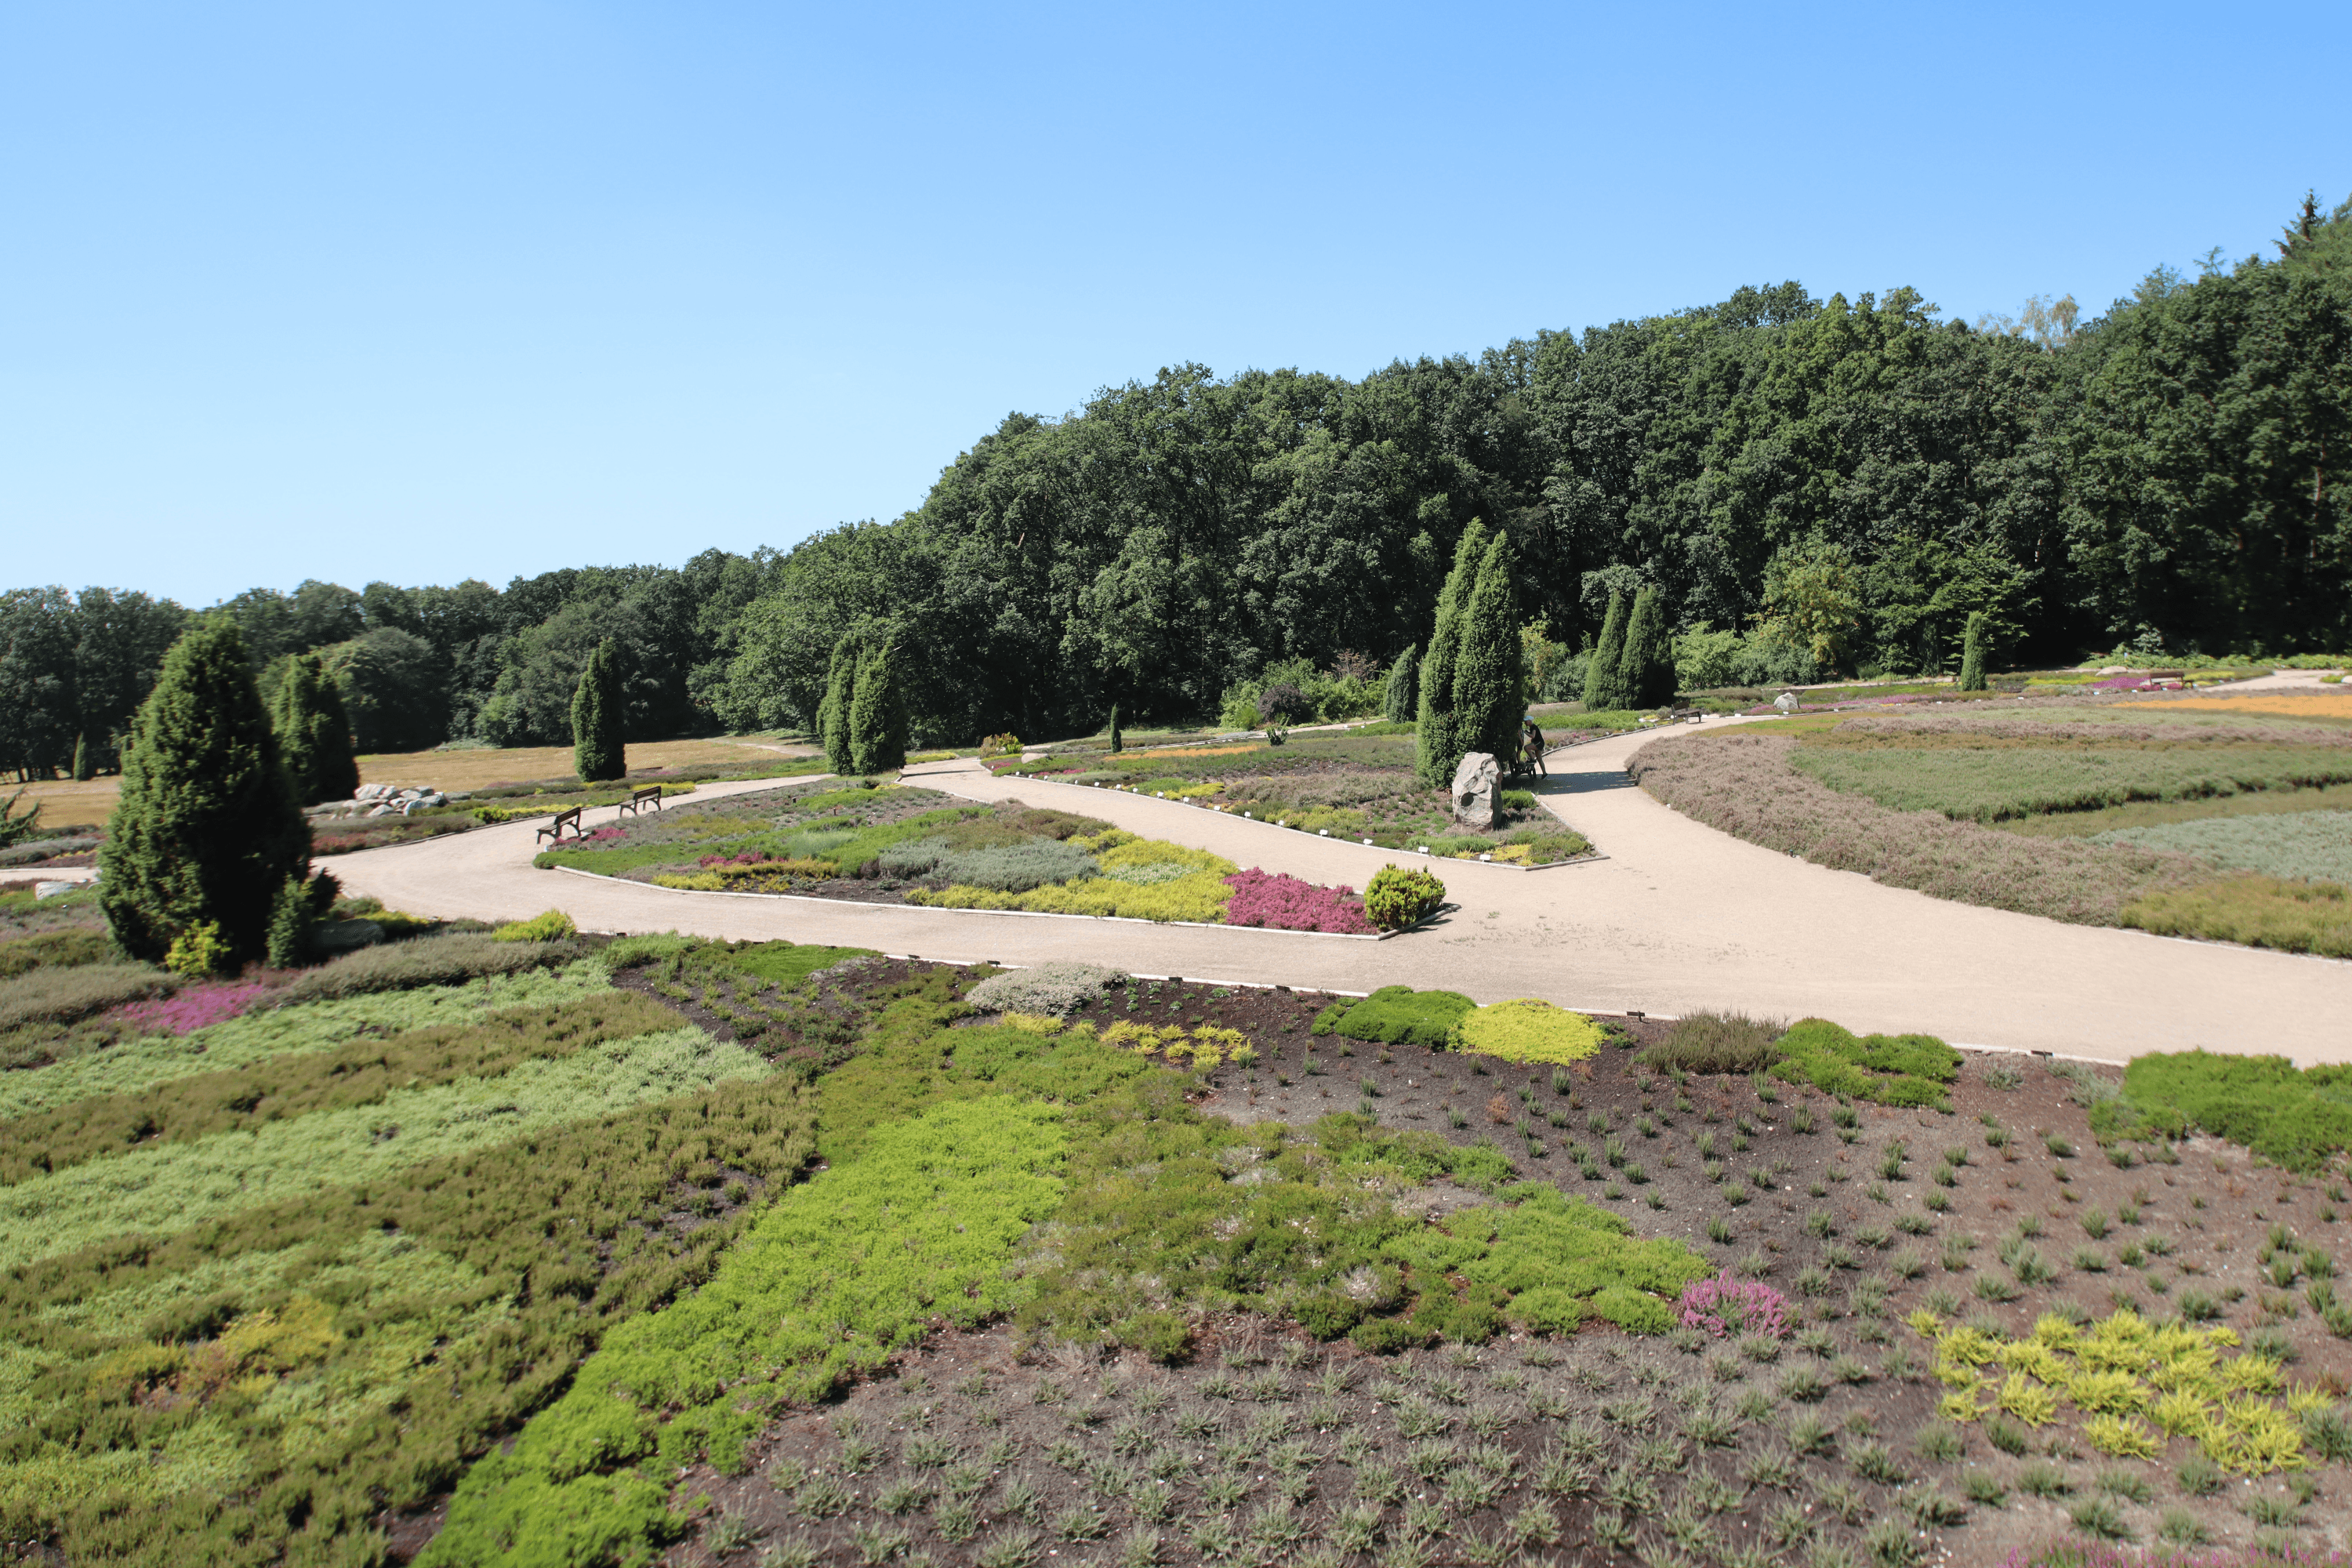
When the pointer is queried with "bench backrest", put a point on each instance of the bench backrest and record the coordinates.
(571, 816)
(651, 791)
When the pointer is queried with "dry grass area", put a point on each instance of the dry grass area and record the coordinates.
(65, 803)
(2331, 704)
(1744, 784)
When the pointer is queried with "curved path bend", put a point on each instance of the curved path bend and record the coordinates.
(1678, 917)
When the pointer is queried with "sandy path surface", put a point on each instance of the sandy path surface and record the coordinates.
(1679, 917)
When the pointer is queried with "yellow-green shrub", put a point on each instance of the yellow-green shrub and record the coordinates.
(1527, 1030)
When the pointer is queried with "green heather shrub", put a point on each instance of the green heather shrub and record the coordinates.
(425, 961)
(1003, 868)
(56, 950)
(830, 1280)
(1397, 897)
(359, 1072)
(548, 925)
(2296, 1118)
(782, 963)
(1893, 1069)
(387, 1325)
(1396, 1015)
(58, 995)
(1712, 1042)
(1527, 1030)
(135, 1062)
(169, 1186)
(206, 828)
(2260, 912)
(598, 712)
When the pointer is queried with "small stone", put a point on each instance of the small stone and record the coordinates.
(1786, 703)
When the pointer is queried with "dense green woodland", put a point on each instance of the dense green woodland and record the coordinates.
(1808, 486)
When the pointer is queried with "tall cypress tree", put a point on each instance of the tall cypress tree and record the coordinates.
(1401, 696)
(598, 752)
(1972, 655)
(877, 716)
(1436, 754)
(1487, 671)
(314, 732)
(1646, 671)
(1118, 741)
(833, 712)
(206, 829)
(1603, 682)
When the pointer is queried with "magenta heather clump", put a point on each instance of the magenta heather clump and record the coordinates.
(1285, 903)
(193, 1008)
(1728, 1306)
(604, 835)
(750, 857)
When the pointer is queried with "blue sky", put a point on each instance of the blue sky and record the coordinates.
(431, 291)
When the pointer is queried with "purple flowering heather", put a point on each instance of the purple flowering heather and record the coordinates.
(1725, 1306)
(1285, 903)
(192, 1008)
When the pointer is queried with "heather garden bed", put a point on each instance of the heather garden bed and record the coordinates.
(458, 1250)
(1356, 786)
(2189, 823)
(894, 844)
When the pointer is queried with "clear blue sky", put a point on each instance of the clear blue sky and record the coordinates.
(427, 292)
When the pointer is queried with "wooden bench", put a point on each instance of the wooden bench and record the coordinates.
(651, 795)
(1689, 715)
(555, 830)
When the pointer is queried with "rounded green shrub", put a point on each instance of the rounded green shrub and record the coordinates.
(1397, 897)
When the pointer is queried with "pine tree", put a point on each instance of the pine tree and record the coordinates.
(1603, 682)
(314, 734)
(877, 714)
(1645, 670)
(1972, 655)
(1436, 754)
(1401, 696)
(1488, 670)
(206, 828)
(833, 713)
(1118, 743)
(598, 752)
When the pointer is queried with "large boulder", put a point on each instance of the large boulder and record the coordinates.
(1476, 782)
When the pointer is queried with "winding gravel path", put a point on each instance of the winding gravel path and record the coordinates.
(1678, 917)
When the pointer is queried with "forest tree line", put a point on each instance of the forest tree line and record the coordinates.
(1806, 487)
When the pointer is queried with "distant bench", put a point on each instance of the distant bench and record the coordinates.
(555, 830)
(649, 795)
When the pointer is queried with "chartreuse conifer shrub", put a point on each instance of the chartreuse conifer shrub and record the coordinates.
(1972, 655)
(877, 713)
(833, 711)
(597, 752)
(1645, 670)
(1437, 751)
(314, 732)
(1603, 680)
(1488, 668)
(207, 830)
(1401, 696)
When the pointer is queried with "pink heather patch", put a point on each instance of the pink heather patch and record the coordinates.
(1725, 1306)
(193, 1008)
(751, 858)
(604, 835)
(1285, 903)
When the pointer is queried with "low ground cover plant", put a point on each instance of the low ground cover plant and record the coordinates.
(1892, 1070)
(2298, 1119)
(911, 846)
(1711, 1042)
(1527, 1030)
(1397, 1015)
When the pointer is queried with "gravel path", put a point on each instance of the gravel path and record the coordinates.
(1679, 917)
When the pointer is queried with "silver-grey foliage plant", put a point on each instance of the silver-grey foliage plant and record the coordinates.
(1054, 988)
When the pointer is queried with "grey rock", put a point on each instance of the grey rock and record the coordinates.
(1786, 703)
(1476, 782)
(345, 936)
(379, 809)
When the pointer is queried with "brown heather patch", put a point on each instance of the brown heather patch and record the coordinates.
(1743, 784)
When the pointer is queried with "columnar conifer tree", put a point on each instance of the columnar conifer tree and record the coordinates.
(314, 732)
(1436, 753)
(598, 750)
(1646, 671)
(1972, 655)
(1487, 671)
(1400, 697)
(877, 713)
(833, 713)
(1118, 741)
(206, 829)
(1603, 680)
